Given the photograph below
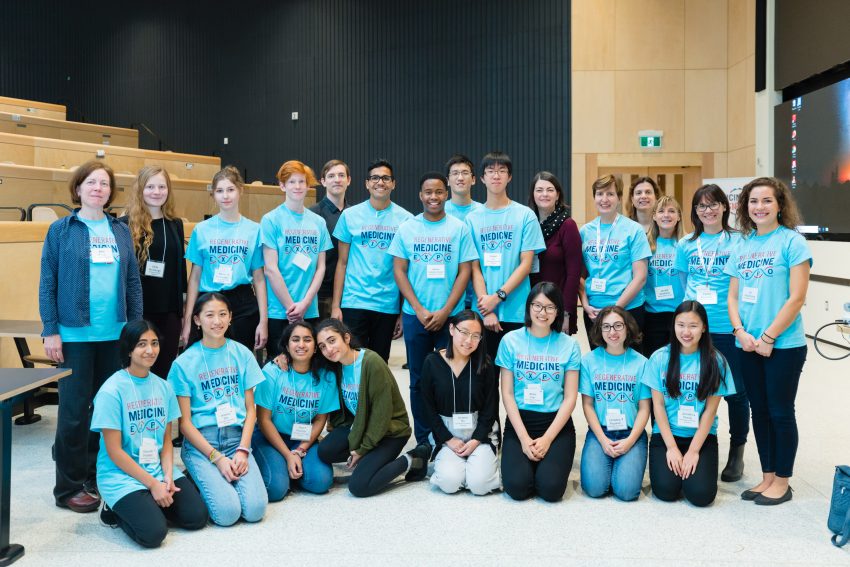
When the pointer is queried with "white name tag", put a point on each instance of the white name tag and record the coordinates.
(463, 421)
(535, 264)
(148, 452)
(533, 395)
(102, 255)
(664, 292)
(436, 271)
(688, 417)
(706, 295)
(155, 269)
(301, 431)
(301, 260)
(615, 420)
(750, 294)
(493, 259)
(225, 415)
(223, 274)
(598, 284)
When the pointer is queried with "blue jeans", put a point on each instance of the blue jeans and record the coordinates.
(317, 476)
(738, 403)
(420, 343)
(226, 501)
(601, 473)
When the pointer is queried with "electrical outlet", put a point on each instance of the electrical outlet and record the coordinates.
(189, 165)
(295, 116)
(226, 141)
(101, 153)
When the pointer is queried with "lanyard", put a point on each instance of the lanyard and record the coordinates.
(356, 354)
(164, 241)
(454, 394)
(136, 393)
(229, 356)
(528, 342)
(221, 224)
(605, 356)
(702, 261)
(601, 251)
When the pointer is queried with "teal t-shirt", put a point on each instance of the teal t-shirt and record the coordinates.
(230, 248)
(351, 382)
(369, 282)
(500, 236)
(614, 383)
(538, 363)
(293, 397)
(434, 251)
(655, 376)
(138, 408)
(663, 289)
(211, 377)
(460, 212)
(707, 272)
(763, 265)
(298, 238)
(103, 288)
(625, 243)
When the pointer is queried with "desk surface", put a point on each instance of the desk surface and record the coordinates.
(16, 328)
(16, 381)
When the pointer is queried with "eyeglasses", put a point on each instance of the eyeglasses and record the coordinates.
(376, 178)
(474, 336)
(618, 326)
(702, 207)
(538, 307)
(495, 170)
(463, 173)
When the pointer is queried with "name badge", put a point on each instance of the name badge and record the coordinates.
(493, 259)
(301, 260)
(535, 264)
(533, 395)
(223, 274)
(225, 415)
(750, 294)
(664, 292)
(301, 431)
(148, 452)
(706, 295)
(155, 269)
(463, 421)
(615, 420)
(102, 255)
(688, 417)
(436, 271)
(598, 284)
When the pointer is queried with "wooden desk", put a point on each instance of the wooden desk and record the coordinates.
(20, 331)
(15, 384)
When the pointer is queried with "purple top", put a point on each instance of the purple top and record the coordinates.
(562, 264)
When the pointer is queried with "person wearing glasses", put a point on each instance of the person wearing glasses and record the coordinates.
(461, 175)
(336, 177)
(700, 259)
(507, 236)
(366, 296)
(539, 382)
(615, 250)
(461, 400)
(431, 263)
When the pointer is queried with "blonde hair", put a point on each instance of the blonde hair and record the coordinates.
(138, 215)
(654, 231)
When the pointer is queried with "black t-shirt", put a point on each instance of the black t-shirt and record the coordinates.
(328, 211)
(164, 295)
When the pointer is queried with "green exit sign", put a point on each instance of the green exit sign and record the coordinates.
(650, 138)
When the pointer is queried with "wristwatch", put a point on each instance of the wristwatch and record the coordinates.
(502, 294)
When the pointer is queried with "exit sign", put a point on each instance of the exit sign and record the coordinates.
(650, 139)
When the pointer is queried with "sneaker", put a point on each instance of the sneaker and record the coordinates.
(419, 457)
(107, 517)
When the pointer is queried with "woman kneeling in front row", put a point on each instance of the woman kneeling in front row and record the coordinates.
(688, 377)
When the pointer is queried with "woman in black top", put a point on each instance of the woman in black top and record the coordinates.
(158, 241)
(461, 399)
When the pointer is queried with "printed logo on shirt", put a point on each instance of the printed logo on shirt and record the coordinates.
(688, 385)
(614, 387)
(219, 384)
(497, 237)
(610, 254)
(297, 240)
(432, 249)
(756, 265)
(227, 250)
(304, 405)
(696, 266)
(376, 236)
(662, 263)
(538, 368)
(103, 242)
(146, 415)
(350, 395)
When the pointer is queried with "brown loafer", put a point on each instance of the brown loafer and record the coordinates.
(82, 502)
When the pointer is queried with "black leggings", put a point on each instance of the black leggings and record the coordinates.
(656, 331)
(375, 470)
(522, 478)
(373, 330)
(700, 488)
(146, 523)
(246, 314)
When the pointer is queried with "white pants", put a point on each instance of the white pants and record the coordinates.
(479, 472)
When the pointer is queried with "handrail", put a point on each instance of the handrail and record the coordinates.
(147, 129)
(19, 209)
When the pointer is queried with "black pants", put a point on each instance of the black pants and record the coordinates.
(372, 329)
(276, 328)
(324, 307)
(494, 338)
(656, 331)
(700, 488)
(639, 313)
(246, 315)
(147, 524)
(375, 470)
(170, 326)
(522, 478)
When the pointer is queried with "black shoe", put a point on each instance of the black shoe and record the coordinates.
(750, 495)
(734, 469)
(419, 457)
(107, 517)
(763, 500)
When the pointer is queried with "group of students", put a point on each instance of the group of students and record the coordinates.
(712, 307)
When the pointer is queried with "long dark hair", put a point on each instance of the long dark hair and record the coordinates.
(710, 375)
(479, 359)
(553, 294)
(195, 333)
(129, 338)
(340, 328)
(711, 193)
(283, 347)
